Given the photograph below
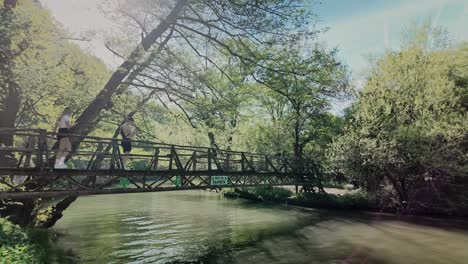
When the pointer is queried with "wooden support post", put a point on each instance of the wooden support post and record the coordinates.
(31, 146)
(114, 155)
(183, 181)
(93, 182)
(178, 163)
(23, 153)
(242, 162)
(228, 158)
(156, 159)
(171, 158)
(119, 156)
(94, 156)
(41, 150)
(209, 160)
(194, 161)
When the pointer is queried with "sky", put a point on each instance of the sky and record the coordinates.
(358, 28)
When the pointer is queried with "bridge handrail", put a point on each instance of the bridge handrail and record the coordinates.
(98, 166)
(155, 144)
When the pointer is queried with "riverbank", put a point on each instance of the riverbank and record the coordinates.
(30, 246)
(348, 201)
(17, 245)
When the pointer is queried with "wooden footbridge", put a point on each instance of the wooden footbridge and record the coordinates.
(96, 167)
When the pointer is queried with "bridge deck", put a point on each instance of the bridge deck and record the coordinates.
(96, 167)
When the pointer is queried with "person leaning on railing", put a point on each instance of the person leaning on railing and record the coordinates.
(63, 124)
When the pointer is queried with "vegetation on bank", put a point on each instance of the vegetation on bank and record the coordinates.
(30, 246)
(350, 201)
(17, 247)
(359, 200)
(406, 140)
(265, 193)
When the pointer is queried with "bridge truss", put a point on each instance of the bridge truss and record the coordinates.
(96, 167)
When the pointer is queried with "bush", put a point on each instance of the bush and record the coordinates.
(265, 193)
(408, 130)
(333, 184)
(16, 246)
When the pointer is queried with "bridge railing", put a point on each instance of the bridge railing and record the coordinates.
(96, 166)
(36, 149)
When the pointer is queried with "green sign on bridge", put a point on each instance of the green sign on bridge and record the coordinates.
(219, 180)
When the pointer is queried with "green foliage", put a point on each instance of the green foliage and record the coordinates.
(51, 72)
(409, 125)
(16, 246)
(301, 88)
(266, 193)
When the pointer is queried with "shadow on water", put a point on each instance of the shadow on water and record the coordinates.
(299, 239)
(198, 227)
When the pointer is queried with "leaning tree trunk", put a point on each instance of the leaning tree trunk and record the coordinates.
(86, 122)
(211, 137)
(88, 119)
(56, 212)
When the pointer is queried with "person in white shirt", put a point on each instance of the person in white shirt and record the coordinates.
(127, 131)
(63, 124)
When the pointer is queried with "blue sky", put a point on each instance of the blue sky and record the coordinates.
(360, 28)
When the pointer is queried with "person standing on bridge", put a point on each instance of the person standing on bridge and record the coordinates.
(127, 131)
(63, 124)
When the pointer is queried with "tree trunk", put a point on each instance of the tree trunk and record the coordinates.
(297, 153)
(23, 213)
(9, 111)
(88, 119)
(212, 139)
(56, 212)
(297, 130)
(399, 188)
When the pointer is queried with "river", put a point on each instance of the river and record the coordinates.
(204, 227)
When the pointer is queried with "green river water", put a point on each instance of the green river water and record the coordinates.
(203, 227)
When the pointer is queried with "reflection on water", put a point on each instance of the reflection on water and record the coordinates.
(201, 227)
